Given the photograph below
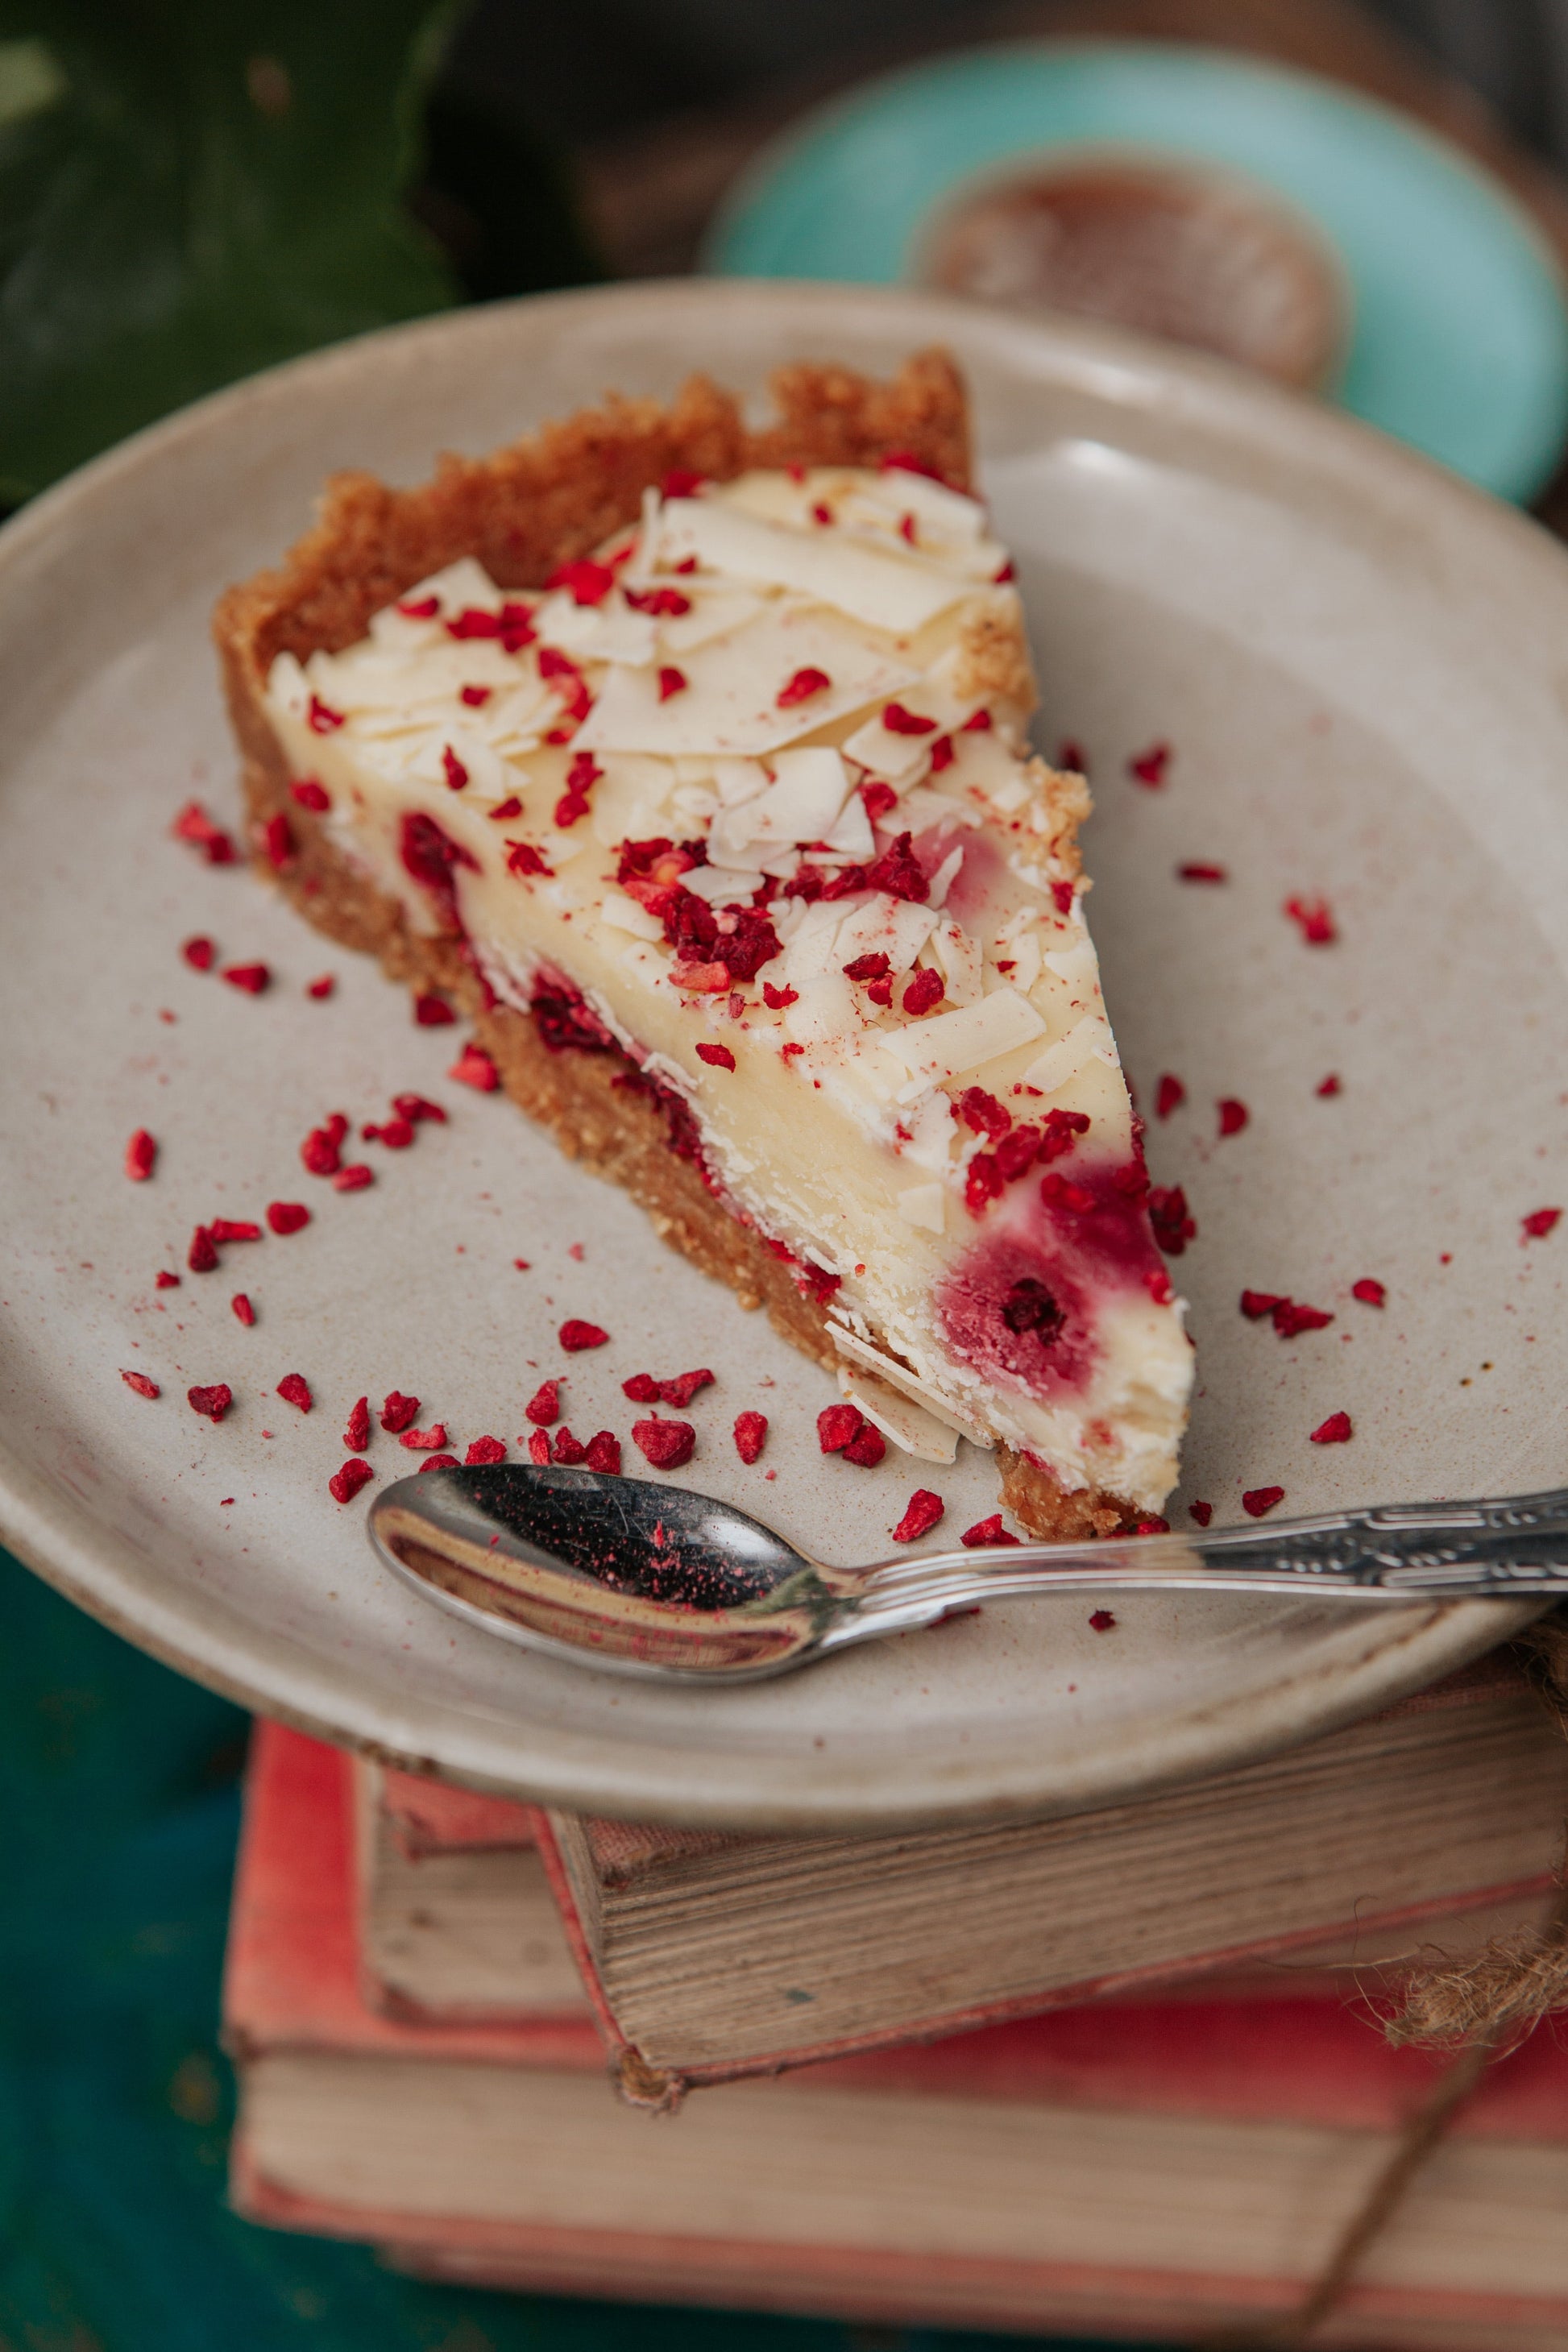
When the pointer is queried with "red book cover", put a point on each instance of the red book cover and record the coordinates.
(292, 1985)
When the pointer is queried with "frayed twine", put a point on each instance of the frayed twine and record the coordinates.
(1498, 1995)
(1479, 2009)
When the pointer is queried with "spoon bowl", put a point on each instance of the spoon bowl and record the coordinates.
(661, 1581)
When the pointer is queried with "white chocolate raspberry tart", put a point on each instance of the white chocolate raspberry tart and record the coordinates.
(690, 763)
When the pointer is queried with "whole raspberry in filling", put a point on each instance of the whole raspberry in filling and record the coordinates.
(1030, 1307)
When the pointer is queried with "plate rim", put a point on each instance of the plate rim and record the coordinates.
(84, 1558)
(782, 152)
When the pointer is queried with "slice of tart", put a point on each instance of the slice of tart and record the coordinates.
(690, 762)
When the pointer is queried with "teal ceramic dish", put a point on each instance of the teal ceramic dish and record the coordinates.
(1459, 335)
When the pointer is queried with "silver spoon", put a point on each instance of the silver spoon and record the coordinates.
(657, 1580)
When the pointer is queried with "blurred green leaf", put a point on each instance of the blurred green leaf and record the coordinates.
(191, 190)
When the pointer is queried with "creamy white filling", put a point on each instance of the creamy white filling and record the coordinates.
(810, 692)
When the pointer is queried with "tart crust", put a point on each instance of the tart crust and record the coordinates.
(521, 512)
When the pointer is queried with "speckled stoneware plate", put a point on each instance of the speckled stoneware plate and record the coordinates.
(1361, 670)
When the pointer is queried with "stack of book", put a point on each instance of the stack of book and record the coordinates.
(1114, 2075)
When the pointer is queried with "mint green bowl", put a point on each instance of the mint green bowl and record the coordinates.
(1459, 337)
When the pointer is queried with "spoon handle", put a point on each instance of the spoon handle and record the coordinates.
(1512, 1549)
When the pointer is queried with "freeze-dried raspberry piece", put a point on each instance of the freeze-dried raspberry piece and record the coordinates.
(1538, 1224)
(1149, 767)
(424, 1440)
(311, 794)
(568, 1451)
(195, 825)
(286, 1216)
(322, 1151)
(681, 482)
(586, 583)
(1314, 919)
(671, 681)
(1371, 1292)
(604, 1453)
(982, 1113)
(1061, 1194)
(1101, 1621)
(431, 1012)
(867, 1447)
(867, 967)
(1202, 1512)
(1157, 1283)
(1173, 1223)
(523, 859)
(921, 1513)
(295, 1390)
(1333, 1085)
(1168, 1095)
(234, 1228)
(320, 720)
(776, 999)
(278, 841)
(1201, 869)
(345, 1484)
(396, 1134)
(678, 1392)
(1290, 1319)
(642, 1389)
(485, 1449)
(987, 1532)
(397, 1412)
(1233, 1115)
(199, 954)
(1259, 1500)
(837, 1426)
(897, 871)
(201, 1257)
(322, 987)
(801, 686)
(751, 1435)
(1257, 1303)
(354, 1178)
(474, 1067)
(1335, 1431)
(214, 1402)
(664, 603)
(244, 1312)
(544, 1406)
(942, 754)
(668, 1445)
(253, 978)
(878, 798)
(141, 1156)
(356, 1436)
(439, 1462)
(718, 1057)
(416, 1108)
(141, 1384)
(1152, 1526)
(926, 988)
(539, 1449)
(899, 721)
(575, 1336)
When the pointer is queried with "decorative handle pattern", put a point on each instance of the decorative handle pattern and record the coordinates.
(1513, 1547)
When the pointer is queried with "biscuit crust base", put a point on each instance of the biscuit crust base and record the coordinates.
(522, 512)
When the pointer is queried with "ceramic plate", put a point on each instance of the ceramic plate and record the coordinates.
(1460, 339)
(1360, 667)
